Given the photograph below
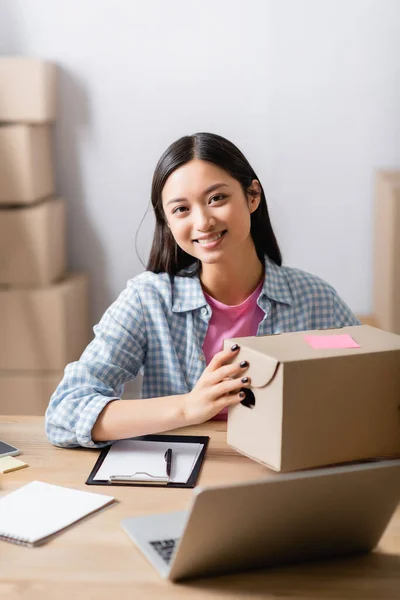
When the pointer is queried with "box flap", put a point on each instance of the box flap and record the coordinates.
(262, 367)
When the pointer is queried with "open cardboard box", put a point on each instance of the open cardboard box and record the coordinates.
(315, 407)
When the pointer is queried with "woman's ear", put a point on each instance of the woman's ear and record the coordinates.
(254, 195)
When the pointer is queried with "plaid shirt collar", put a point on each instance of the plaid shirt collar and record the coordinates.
(188, 294)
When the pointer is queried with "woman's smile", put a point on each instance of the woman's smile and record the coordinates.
(212, 240)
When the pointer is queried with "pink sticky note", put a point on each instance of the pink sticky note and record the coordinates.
(331, 341)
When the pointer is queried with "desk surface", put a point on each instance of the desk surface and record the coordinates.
(96, 560)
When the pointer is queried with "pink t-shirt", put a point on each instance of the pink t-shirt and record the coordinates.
(228, 322)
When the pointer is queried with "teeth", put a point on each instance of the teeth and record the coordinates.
(213, 239)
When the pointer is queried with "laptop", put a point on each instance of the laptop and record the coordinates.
(284, 518)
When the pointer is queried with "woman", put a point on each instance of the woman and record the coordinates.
(215, 272)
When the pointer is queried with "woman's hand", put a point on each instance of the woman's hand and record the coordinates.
(219, 386)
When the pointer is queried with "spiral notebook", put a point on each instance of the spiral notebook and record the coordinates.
(35, 512)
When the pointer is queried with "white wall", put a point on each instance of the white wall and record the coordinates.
(308, 89)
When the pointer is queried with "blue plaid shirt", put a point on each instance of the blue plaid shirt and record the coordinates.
(158, 324)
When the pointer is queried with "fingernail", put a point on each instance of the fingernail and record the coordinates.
(241, 394)
(234, 347)
(245, 379)
(244, 364)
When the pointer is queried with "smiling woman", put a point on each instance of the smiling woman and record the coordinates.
(215, 272)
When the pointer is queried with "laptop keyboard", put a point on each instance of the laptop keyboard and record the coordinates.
(165, 548)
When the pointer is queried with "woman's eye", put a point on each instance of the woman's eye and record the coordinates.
(179, 209)
(217, 198)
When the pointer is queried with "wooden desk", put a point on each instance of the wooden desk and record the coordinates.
(96, 560)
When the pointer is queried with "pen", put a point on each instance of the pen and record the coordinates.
(168, 460)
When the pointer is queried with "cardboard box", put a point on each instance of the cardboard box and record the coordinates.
(24, 393)
(386, 287)
(28, 90)
(43, 329)
(33, 243)
(26, 165)
(317, 407)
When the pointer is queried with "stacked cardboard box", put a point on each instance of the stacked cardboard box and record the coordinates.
(43, 308)
(386, 299)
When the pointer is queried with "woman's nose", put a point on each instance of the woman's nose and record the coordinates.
(203, 221)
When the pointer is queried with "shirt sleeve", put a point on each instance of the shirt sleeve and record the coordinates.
(114, 357)
(342, 314)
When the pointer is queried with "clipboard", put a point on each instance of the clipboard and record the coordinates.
(156, 482)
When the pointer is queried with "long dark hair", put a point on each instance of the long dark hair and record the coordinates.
(165, 254)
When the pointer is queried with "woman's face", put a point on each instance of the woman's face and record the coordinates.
(208, 212)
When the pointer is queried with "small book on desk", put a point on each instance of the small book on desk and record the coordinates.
(156, 460)
(32, 514)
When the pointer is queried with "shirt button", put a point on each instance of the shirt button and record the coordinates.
(204, 311)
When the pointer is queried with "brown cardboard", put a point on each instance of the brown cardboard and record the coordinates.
(368, 320)
(386, 287)
(318, 407)
(24, 393)
(43, 329)
(26, 165)
(28, 90)
(32, 243)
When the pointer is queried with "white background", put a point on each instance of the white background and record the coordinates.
(308, 89)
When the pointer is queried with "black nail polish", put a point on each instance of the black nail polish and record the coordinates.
(234, 347)
(241, 394)
(245, 379)
(244, 364)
